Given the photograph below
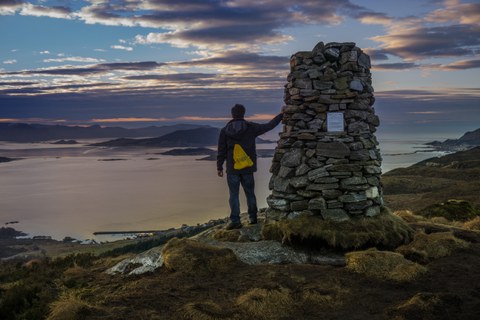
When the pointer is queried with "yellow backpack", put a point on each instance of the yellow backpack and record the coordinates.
(241, 160)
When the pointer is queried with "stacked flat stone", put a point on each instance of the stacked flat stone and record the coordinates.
(335, 175)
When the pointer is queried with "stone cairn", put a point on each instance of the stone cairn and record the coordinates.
(335, 173)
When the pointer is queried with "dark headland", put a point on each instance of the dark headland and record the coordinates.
(468, 140)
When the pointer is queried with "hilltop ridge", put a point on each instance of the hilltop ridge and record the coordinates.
(434, 180)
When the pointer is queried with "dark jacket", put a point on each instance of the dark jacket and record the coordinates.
(244, 133)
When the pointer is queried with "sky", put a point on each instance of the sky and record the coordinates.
(136, 63)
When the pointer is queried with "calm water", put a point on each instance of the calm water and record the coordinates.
(67, 191)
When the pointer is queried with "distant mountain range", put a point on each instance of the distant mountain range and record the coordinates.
(467, 141)
(200, 137)
(22, 132)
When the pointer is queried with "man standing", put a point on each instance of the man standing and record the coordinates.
(236, 145)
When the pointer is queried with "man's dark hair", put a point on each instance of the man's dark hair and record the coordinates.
(238, 111)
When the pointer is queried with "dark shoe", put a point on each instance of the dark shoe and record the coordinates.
(252, 222)
(233, 225)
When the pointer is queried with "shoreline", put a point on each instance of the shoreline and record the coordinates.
(25, 248)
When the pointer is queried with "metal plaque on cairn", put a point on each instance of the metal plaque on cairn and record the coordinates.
(327, 162)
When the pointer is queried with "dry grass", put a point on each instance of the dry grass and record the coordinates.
(384, 265)
(226, 235)
(384, 230)
(427, 247)
(191, 256)
(266, 304)
(70, 307)
(444, 221)
(206, 310)
(408, 216)
(473, 224)
(427, 306)
(328, 296)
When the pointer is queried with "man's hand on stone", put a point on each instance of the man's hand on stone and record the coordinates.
(220, 173)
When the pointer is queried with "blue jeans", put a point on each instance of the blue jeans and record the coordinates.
(248, 185)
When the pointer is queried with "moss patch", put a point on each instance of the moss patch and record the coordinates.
(191, 256)
(455, 210)
(384, 265)
(385, 230)
(427, 247)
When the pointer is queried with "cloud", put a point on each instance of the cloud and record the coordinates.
(172, 77)
(464, 13)
(223, 24)
(214, 24)
(32, 120)
(460, 65)
(93, 69)
(428, 42)
(376, 54)
(241, 59)
(9, 7)
(118, 47)
(45, 52)
(395, 66)
(29, 9)
(74, 59)
(254, 117)
(375, 18)
(132, 119)
(17, 83)
(11, 61)
(452, 31)
(426, 112)
(445, 109)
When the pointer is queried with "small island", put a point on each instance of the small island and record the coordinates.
(5, 159)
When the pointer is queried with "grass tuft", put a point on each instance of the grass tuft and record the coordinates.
(329, 296)
(70, 307)
(385, 265)
(427, 247)
(191, 256)
(226, 235)
(206, 310)
(408, 216)
(385, 230)
(427, 306)
(473, 224)
(259, 303)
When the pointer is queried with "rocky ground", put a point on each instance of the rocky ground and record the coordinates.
(221, 274)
